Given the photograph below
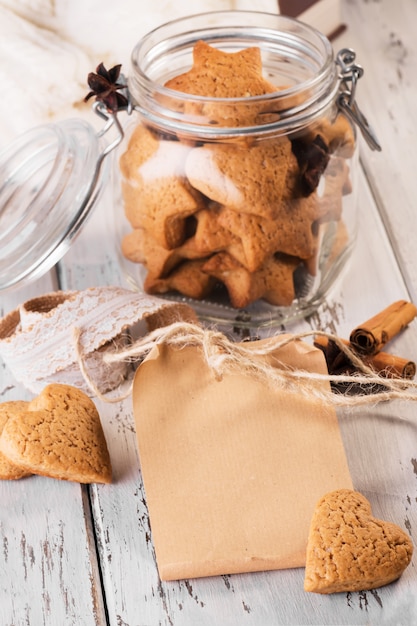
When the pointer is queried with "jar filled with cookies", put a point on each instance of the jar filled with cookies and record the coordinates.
(236, 179)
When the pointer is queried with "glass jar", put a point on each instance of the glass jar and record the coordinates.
(242, 204)
(234, 176)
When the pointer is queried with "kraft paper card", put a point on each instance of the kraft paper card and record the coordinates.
(232, 468)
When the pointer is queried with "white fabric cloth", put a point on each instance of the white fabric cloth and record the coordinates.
(47, 48)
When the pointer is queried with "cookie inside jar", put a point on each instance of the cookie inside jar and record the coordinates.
(251, 214)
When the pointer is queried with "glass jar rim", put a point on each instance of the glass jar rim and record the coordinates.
(273, 33)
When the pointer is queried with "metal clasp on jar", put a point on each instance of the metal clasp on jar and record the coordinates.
(350, 72)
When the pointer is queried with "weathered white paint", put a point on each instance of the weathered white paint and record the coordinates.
(383, 35)
(49, 572)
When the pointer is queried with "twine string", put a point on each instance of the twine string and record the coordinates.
(223, 355)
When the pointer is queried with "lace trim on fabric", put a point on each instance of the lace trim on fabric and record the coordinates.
(36, 340)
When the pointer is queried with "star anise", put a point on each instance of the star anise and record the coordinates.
(105, 88)
(312, 160)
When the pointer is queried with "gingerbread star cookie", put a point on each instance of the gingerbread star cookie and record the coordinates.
(238, 74)
(210, 234)
(260, 237)
(219, 74)
(187, 278)
(273, 282)
(247, 179)
(140, 246)
(248, 211)
(350, 550)
(58, 434)
(336, 185)
(156, 194)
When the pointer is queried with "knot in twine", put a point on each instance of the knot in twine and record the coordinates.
(223, 356)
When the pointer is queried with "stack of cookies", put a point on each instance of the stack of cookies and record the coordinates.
(246, 215)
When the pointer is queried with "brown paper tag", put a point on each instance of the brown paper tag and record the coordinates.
(232, 468)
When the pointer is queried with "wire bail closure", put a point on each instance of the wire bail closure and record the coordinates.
(350, 73)
(111, 119)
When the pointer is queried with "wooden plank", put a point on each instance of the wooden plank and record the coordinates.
(133, 590)
(92, 259)
(378, 441)
(383, 35)
(49, 573)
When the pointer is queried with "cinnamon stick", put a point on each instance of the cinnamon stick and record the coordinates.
(371, 336)
(383, 363)
(391, 366)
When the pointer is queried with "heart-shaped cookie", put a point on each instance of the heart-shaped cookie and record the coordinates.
(350, 550)
(8, 470)
(58, 434)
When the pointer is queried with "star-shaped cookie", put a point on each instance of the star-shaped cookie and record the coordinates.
(219, 74)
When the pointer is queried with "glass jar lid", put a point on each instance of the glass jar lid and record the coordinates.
(48, 187)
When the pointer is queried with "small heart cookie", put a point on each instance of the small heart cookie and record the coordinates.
(350, 550)
(58, 434)
(8, 470)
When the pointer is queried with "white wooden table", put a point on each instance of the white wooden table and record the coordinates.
(81, 555)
